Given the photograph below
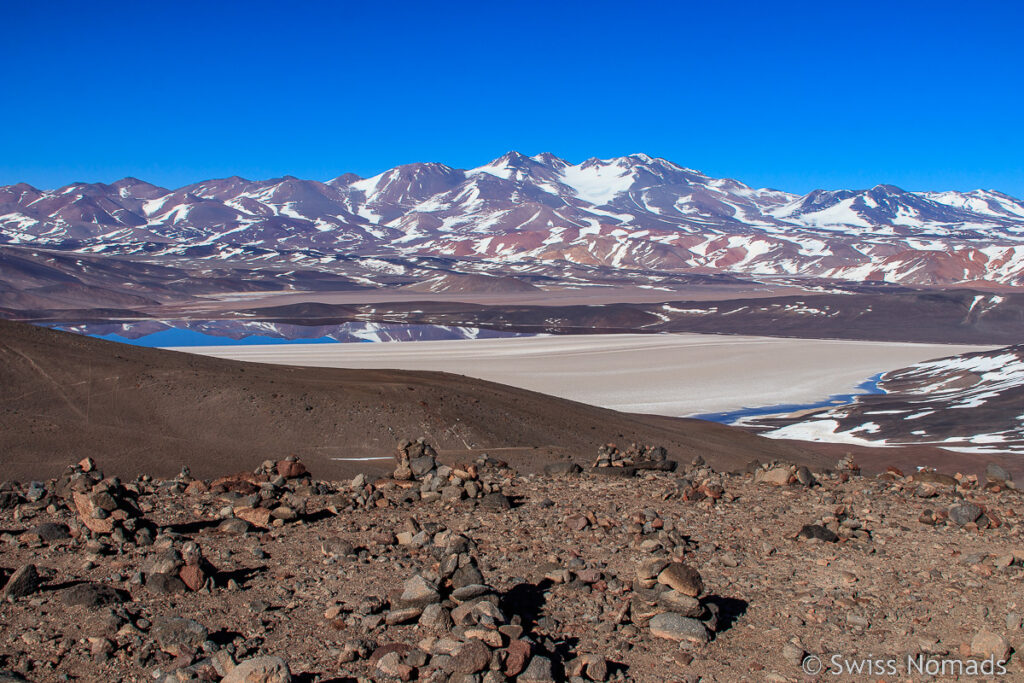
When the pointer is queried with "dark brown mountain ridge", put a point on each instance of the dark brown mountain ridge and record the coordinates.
(65, 397)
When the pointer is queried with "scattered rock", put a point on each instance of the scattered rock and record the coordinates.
(93, 595)
(683, 578)
(177, 636)
(50, 532)
(538, 671)
(996, 474)
(561, 469)
(988, 644)
(260, 670)
(778, 475)
(672, 626)
(964, 513)
(23, 582)
(471, 658)
(816, 532)
(418, 592)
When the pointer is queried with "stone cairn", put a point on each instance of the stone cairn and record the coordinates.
(472, 631)
(959, 489)
(417, 470)
(847, 467)
(271, 496)
(701, 484)
(609, 455)
(783, 474)
(178, 569)
(105, 506)
(672, 598)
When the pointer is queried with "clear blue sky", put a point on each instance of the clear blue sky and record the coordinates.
(925, 95)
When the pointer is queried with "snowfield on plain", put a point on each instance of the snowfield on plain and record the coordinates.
(664, 374)
(972, 403)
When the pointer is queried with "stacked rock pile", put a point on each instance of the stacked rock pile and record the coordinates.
(847, 467)
(174, 570)
(701, 484)
(609, 455)
(105, 506)
(671, 597)
(475, 636)
(271, 496)
(419, 473)
(783, 474)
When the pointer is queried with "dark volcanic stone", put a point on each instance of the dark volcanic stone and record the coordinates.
(466, 576)
(24, 582)
(964, 513)
(656, 465)
(93, 595)
(562, 468)
(472, 657)
(496, 501)
(997, 474)
(50, 531)
(422, 465)
(176, 635)
(165, 584)
(539, 671)
(804, 476)
(817, 532)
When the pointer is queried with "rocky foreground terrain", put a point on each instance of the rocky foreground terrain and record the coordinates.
(632, 567)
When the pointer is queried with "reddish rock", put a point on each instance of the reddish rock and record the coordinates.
(683, 578)
(400, 648)
(593, 667)
(196, 487)
(86, 510)
(243, 483)
(471, 658)
(518, 654)
(192, 576)
(256, 516)
(578, 523)
(291, 469)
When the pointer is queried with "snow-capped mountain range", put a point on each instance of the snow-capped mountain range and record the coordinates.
(632, 212)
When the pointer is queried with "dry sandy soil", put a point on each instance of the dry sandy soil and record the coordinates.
(665, 374)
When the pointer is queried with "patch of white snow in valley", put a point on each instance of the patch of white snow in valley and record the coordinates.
(824, 430)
